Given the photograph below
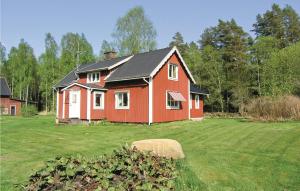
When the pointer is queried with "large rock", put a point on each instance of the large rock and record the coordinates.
(162, 147)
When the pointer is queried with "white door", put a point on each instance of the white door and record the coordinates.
(74, 104)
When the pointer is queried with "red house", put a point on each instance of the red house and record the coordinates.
(149, 87)
(8, 105)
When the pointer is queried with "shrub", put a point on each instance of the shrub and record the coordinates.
(274, 109)
(125, 169)
(29, 110)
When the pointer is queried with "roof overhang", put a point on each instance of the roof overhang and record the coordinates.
(165, 59)
(83, 86)
(106, 68)
(199, 93)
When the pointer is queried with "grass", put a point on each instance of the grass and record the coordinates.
(221, 154)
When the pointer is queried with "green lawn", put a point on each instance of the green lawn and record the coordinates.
(224, 154)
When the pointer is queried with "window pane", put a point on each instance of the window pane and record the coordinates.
(125, 99)
(170, 70)
(120, 99)
(98, 100)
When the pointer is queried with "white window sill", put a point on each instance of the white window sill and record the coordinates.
(121, 108)
(173, 108)
(98, 108)
(174, 79)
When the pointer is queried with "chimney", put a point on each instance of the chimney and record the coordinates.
(110, 55)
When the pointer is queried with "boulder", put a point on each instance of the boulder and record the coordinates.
(162, 147)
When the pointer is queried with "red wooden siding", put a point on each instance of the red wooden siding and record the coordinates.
(196, 113)
(138, 105)
(161, 84)
(97, 113)
(60, 105)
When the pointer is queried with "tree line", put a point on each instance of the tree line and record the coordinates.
(234, 66)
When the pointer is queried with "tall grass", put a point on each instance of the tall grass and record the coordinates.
(274, 109)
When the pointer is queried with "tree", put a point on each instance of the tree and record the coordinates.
(134, 33)
(22, 72)
(232, 42)
(261, 51)
(177, 40)
(49, 65)
(283, 24)
(75, 50)
(105, 47)
(212, 75)
(2, 59)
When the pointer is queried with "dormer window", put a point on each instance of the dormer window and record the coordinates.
(93, 77)
(173, 72)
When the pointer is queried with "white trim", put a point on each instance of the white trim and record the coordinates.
(102, 100)
(190, 104)
(120, 62)
(171, 107)
(150, 97)
(92, 73)
(128, 96)
(80, 85)
(124, 79)
(197, 101)
(174, 49)
(110, 73)
(15, 109)
(199, 93)
(88, 105)
(64, 97)
(57, 103)
(171, 78)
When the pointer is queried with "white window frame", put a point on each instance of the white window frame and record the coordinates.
(197, 101)
(101, 101)
(117, 100)
(90, 75)
(176, 72)
(177, 106)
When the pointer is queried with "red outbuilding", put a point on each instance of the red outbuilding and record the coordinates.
(8, 105)
(149, 87)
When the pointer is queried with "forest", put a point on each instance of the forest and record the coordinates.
(234, 66)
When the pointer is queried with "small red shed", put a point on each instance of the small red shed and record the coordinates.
(8, 105)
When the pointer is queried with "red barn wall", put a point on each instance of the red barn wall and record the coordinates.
(138, 110)
(161, 84)
(7, 102)
(196, 113)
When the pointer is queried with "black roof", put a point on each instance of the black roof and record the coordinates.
(4, 89)
(197, 89)
(140, 65)
(102, 65)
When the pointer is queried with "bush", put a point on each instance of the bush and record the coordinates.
(274, 109)
(125, 169)
(29, 110)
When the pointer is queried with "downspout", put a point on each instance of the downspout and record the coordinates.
(150, 99)
(88, 113)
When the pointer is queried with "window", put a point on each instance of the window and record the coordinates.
(197, 102)
(191, 101)
(93, 77)
(171, 103)
(122, 100)
(173, 72)
(98, 100)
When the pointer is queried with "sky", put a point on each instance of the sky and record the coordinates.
(32, 19)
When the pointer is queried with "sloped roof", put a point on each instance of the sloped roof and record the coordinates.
(132, 67)
(140, 65)
(102, 65)
(198, 90)
(4, 89)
